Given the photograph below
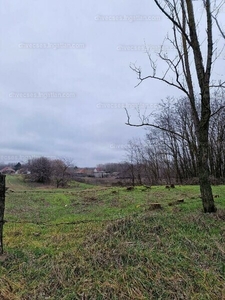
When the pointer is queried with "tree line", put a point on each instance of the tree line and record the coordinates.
(171, 155)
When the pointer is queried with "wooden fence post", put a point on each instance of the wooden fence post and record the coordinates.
(2, 209)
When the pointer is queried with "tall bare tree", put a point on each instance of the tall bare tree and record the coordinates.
(186, 41)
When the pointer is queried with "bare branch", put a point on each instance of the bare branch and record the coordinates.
(152, 125)
(217, 111)
(219, 27)
(221, 84)
(138, 71)
(173, 8)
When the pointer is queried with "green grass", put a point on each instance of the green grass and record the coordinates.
(87, 242)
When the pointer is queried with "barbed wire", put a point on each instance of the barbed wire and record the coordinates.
(62, 223)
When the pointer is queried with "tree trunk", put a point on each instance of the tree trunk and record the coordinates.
(2, 210)
(203, 169)
(132, 175)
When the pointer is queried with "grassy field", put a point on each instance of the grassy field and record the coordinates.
(87, 242)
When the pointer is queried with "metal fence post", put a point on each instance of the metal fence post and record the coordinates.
(2, 209)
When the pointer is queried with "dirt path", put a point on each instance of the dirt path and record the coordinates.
(12, 186)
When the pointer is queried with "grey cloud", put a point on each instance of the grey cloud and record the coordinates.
(79, 127)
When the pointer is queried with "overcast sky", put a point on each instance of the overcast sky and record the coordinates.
(65, 76)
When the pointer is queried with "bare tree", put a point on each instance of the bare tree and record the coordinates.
(40, 169)
(152, 158)
(60, 172)
(185, 29)
(175, 116)
(131, 162)
(217, 140)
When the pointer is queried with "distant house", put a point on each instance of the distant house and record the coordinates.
(100, 173)
(7, 171)
(115, 174)
(84, 172)
(23, 171)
